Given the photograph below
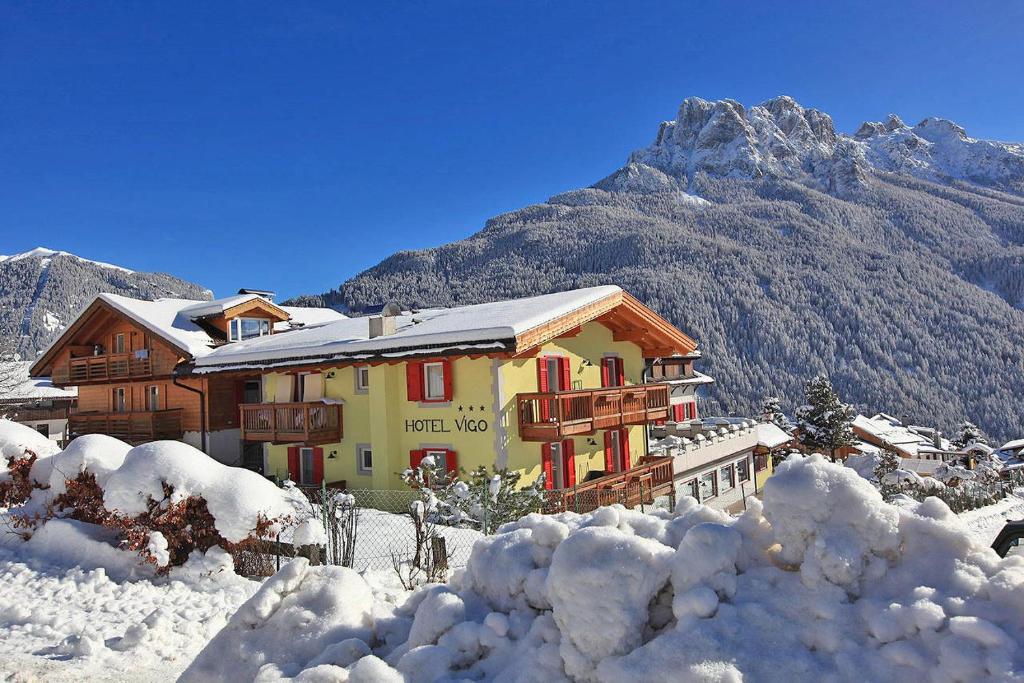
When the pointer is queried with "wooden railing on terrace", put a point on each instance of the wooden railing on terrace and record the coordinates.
(109, 366)
(640, 485)
(312, 422)
(553, 416)
(135, 428)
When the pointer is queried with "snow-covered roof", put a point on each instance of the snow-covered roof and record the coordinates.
(301, 317)
(891, 431)
(492, 325)
(204, 309)
(770, 436)
(34, 388)
(1012, 445)
(696, 378)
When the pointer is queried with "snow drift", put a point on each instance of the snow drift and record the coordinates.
(825, 582)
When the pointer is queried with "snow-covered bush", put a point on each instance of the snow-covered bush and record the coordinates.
(826, 581)
(163, 500)
(20, 448)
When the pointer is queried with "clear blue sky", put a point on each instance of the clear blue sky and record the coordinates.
(291, 145)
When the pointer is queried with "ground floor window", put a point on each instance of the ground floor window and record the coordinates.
(306, 459)
(743, 470)
(708, 486)
(252, 457)
(760, 462)
(689, 488)
(364, 459)
(43, 429)
(727, 478)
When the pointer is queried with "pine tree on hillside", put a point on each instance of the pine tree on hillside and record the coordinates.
(824, 422)
(771, 412)
(967, 434)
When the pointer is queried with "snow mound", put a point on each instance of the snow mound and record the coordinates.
(846, 586)
(96, 454)
(18, 441)
(300, 618)
(235, 497)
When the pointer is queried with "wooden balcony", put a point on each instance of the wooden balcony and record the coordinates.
(109, 367)
(640, 485)
(311, 423)
(135, 428)
(554, 416)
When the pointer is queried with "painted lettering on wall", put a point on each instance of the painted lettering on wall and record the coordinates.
(445, 426)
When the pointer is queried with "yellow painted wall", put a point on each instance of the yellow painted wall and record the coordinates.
(479, 424)
(761, 477)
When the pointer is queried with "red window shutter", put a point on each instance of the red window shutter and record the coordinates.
(677, 412)
(624, 443)
(414, 381)
(318, 465)
(451, 463)
(693, 410)
(569, 451)
(606, 374)
(415, 457)
(293, 463)
(542, 375)
(446, 366)
(620, 372)
(546, 466)
(609, 455)
(563, 366)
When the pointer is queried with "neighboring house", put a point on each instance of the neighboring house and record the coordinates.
(129, 360)
(36, 402)
(679, 374)
(909, 441)
(722, 461)
(551, 385)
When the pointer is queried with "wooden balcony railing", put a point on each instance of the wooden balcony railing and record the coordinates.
(112, 366)
(554, 416)
(640, 485)
(135, 428)
(310, 423)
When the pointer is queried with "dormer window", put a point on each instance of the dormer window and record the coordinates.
(247, 328)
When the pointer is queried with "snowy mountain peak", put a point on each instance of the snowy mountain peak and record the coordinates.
(781, 138)
(44, 252)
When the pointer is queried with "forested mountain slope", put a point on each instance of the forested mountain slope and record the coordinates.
(892, 259)
(42, 290)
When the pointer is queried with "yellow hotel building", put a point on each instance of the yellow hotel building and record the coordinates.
(550, 384)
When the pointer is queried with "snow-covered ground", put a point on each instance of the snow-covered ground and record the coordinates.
(984, 523)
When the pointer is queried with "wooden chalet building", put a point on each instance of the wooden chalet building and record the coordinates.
(128, 358)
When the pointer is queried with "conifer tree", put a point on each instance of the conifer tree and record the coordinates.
(824, 422)
(967, 434)
(772, 412)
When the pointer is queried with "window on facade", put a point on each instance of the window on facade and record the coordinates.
(306, 466)
(760, 462)
(708, 486)
(615, 442)
(557, 470)
(613, 373)
(153, 397)
(433, 381)
(43, 429)
(119, 403)
(364, 458)
(363, 377)
(554, 368)
(247, 328)
(119, 343)
(727, 478)
(690, 489)
(743, 470)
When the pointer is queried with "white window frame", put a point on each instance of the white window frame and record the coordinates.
(120, 343)
(235, 331)
(306, 477)
(615, 437)
(362, 378)
(153, 391)
(554, 375)
(361, 451)
(427, 395)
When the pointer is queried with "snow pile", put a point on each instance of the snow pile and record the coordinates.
(236, 497)
(18, 441)
(826, 582)
(96, 454)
